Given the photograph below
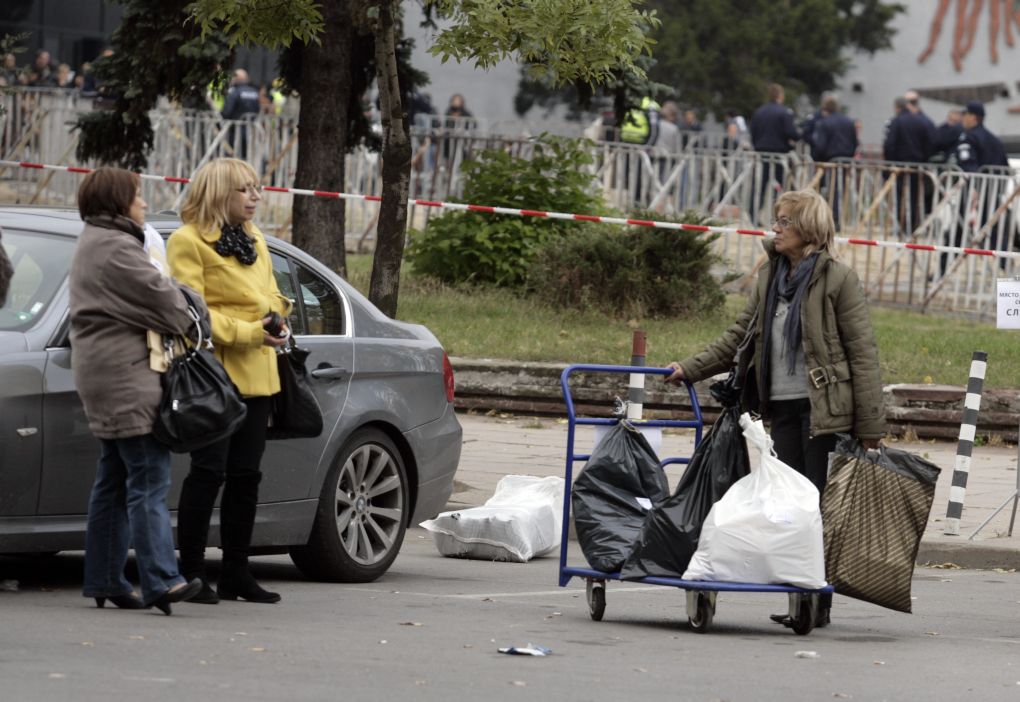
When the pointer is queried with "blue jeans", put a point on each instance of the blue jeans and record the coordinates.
(128, 508)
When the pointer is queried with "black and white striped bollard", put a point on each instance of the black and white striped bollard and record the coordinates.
(636, 387)
(965, 447)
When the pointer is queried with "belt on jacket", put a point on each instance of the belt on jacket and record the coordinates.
(828, 375)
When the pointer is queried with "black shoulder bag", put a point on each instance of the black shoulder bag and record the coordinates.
(294, 411)
(200, 404)
(728, 392)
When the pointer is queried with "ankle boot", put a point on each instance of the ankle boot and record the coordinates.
(206, 595)
(237, 582)
(194, 513)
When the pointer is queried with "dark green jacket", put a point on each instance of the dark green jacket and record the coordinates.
(840, 353)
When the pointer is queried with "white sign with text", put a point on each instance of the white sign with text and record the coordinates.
(1008, 303)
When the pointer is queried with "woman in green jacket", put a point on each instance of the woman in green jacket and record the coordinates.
(813, 361)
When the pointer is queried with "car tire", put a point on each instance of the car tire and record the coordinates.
(362, 514)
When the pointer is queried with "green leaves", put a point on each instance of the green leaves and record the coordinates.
(155, 54)
(563, 41)
(720, 54)
(269, 23)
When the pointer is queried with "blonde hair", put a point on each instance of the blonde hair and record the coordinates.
(811, 216)
(207, 202)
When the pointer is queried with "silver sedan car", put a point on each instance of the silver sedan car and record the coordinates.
(339, 503)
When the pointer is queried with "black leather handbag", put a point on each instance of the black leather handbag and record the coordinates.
(294, 411)
(200, 404)
(728, 392)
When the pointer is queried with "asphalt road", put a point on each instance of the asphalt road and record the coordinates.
(430, 629)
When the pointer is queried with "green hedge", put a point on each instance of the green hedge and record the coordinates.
(636, 272)
(461, 247)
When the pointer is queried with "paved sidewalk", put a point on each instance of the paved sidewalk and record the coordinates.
(504, 444)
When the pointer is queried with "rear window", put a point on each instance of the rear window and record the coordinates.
(40, 265)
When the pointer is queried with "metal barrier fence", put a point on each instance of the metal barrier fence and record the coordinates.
(876, 200)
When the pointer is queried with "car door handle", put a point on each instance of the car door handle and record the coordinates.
(329, 373)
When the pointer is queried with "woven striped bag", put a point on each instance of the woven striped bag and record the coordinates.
(874, 511)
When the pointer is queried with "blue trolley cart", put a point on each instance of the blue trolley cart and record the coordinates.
(701, 595)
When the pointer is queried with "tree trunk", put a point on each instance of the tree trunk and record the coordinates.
(325, 95)
(396, 170)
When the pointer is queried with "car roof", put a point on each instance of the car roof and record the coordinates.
(66, 220)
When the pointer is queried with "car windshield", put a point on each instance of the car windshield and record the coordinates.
(40, 266)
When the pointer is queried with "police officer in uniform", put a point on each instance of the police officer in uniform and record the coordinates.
(978, 147)
(773, 131)
(640, 126)
(242, 102)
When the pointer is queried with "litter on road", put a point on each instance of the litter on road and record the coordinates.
(526, 650)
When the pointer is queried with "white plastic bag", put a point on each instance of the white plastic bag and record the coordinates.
(767, 528)
(523, 519)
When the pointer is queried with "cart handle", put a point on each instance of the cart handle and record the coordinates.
(572, 421)
(696, 423)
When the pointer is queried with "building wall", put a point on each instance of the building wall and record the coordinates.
(873, 82)
(488, 94)
(73, 31)
(76, 31)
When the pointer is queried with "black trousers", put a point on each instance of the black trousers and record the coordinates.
(791, 436)
(232, 463)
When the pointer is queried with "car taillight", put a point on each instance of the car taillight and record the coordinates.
(448, 377)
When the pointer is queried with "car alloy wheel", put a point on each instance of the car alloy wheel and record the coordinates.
(362, 513)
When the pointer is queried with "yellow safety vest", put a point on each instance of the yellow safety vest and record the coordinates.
(635, 128)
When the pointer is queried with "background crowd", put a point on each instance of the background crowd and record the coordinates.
(910, 136)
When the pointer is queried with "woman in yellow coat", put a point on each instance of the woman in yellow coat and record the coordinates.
(220, 253)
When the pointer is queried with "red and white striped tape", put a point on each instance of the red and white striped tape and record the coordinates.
(487, 209)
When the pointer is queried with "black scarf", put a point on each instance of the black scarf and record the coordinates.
(791, 289)
(234, 241)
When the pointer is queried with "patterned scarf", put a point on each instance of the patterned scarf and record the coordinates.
(791, 289)
(234, 241)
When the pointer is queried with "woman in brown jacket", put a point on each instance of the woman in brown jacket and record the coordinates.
(116, 296)
(813, 369)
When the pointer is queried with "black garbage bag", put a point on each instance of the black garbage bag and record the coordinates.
(607, 497)
(669, 536)
(874, 510)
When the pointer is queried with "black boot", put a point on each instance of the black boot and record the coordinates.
(194, 512)
(206, 595)
(237, 582)
(237, 521)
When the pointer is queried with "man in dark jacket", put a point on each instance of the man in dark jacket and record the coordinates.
(910, 138)
(242, 102)
(948, 134)
(977, 146)
(772, 127)
(835, 134)
(914, 105)
(773, 132)
(835, 137)
(242, 98)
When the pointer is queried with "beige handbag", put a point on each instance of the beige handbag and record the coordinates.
(159, 356)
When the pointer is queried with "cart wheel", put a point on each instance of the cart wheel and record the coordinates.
(702, 619)
(806, 615)
(596, 591)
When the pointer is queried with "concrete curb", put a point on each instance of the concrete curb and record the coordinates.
(929, 411)
(957, 550)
